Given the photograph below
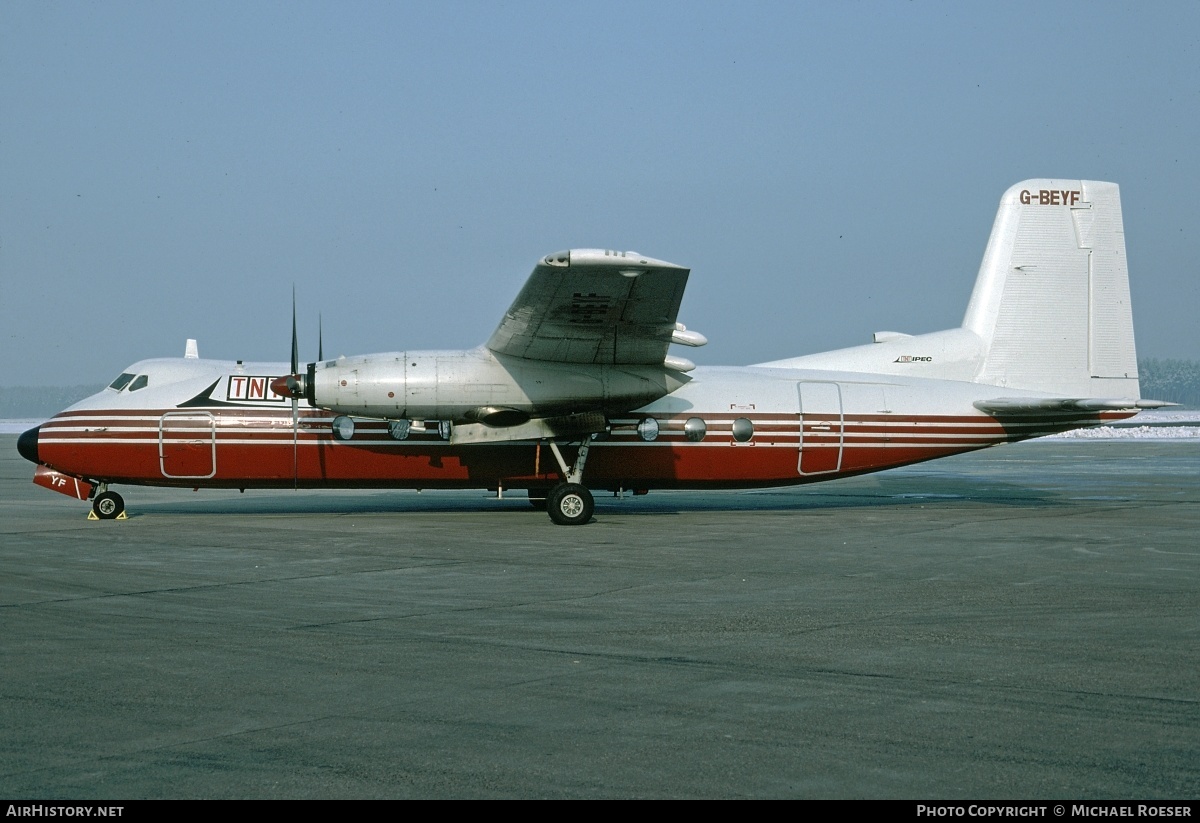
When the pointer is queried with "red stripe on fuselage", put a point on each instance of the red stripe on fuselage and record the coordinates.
(254, 448)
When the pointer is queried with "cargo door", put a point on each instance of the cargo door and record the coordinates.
(187, 445)
(821, 427)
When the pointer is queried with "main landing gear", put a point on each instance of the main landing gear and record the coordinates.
(569, 503)
(108, 505)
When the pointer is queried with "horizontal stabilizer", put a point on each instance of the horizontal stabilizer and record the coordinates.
(1027, 405)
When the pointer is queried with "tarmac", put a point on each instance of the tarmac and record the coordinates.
(1019, 623)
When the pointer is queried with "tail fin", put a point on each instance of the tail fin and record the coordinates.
(1051, 304)
(1050, 310)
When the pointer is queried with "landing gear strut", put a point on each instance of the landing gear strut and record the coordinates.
(570, 503)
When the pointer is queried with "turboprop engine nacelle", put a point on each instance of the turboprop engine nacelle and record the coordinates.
(478, 386)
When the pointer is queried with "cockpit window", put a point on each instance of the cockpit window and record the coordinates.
(139, 382)
(121, 382)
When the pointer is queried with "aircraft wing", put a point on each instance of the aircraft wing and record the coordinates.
(596, 306)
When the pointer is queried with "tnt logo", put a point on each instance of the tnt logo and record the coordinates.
(909, 358)
(251, 389)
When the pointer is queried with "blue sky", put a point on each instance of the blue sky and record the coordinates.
(170, 170)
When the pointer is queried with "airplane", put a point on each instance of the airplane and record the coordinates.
(576, 390)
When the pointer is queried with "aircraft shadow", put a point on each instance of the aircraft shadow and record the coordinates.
(851, 494)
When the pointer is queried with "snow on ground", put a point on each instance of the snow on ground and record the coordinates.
(1160, 424)
(1129, 433)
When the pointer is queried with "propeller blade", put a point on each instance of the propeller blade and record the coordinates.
(295, 399)
(320, 340)
(295, 442)
(295, 342)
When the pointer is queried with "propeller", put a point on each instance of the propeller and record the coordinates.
(294, 385)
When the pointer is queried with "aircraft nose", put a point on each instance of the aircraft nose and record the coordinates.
(27, 445)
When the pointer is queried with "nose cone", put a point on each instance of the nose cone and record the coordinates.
(27, 445)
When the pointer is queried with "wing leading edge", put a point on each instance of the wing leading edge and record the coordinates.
(599, 307)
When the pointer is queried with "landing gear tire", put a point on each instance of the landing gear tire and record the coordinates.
(108, 505)
(538, 497)
(570, 504)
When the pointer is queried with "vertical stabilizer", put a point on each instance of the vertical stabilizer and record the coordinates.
(1051, 303)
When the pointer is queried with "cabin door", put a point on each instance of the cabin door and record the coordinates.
(821, 427)
(187, 445)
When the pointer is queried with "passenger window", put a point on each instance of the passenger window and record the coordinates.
(648, 429)
(139, 382)
(121, 382)
(743, 430)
